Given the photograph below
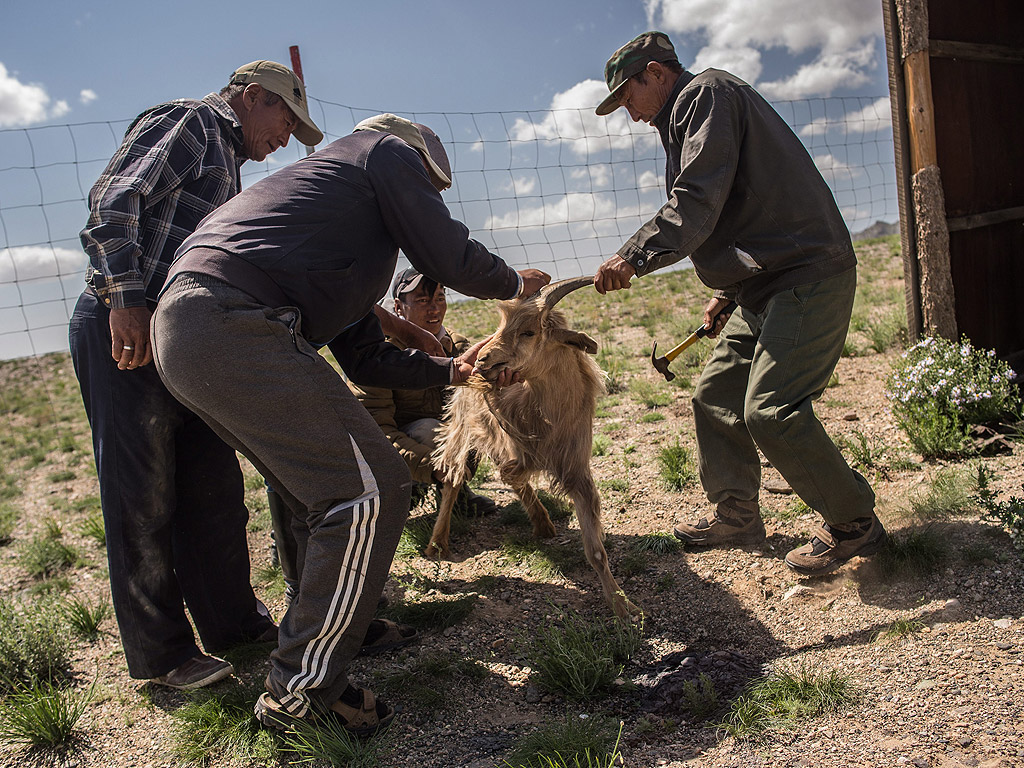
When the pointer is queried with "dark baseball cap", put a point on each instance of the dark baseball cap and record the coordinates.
(630, 60)
(405, 281)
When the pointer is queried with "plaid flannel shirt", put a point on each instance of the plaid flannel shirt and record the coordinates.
(178, 162)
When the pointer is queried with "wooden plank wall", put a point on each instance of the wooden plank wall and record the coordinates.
(976, 58)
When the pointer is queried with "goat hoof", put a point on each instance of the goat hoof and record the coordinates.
(433, 552)
(545, 531)
(626, 610)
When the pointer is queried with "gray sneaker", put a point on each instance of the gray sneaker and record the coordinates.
(833, 545)
(199, 671)
(732, 522)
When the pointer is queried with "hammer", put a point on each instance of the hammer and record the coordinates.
(662, 363)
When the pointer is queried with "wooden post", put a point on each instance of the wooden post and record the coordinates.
(938, 311)
(293, 51)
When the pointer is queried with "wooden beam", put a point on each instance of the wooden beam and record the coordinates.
(953, 49)
(987, 219)
(920, 110)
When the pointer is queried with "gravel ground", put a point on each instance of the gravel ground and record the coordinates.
(946, 695)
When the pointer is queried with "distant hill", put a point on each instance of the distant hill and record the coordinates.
(878, 229)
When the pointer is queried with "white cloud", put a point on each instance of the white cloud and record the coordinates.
(742, 61)
(87, 96)
(874, 117)
(571, 119)
(842, 36)
(32, 262)
(23, 104)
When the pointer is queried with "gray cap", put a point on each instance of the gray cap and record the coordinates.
(420, 138)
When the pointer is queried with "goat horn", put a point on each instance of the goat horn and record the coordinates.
(555, 292)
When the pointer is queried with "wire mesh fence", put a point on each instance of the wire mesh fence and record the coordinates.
(559, 190)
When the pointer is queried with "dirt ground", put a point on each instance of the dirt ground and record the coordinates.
(947, 695)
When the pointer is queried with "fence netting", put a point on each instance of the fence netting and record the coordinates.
(559, 190)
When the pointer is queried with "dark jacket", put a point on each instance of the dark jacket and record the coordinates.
(393, 408)
(326, 231)
(745, 200)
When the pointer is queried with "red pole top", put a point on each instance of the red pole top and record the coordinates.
(296, 62)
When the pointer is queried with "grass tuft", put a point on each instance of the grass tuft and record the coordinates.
(210, 729)
(34, 645)
(329, 742)
(580, 658)
(676, 467)
(656, 543)
(783, 698)
(433, 614)
(898, 630)
(916, 552)
(43, 715)
(84, 618)
(575, 742)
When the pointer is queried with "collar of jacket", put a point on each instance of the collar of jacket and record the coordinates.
(227, 116)
(661, 120)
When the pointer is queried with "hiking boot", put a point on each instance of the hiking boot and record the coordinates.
(731, 522)
(833, 545)
(199, 671)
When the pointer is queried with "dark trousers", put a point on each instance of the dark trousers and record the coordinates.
(318, 448)
(173, 508)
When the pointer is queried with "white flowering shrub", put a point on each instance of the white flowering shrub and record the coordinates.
(939, 389)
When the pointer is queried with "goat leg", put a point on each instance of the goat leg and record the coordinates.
(438, 546)
(543, 528)
(588, 513)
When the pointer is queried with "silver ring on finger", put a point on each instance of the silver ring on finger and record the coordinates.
(127, 347)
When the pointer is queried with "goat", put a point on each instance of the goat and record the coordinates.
(545, 424)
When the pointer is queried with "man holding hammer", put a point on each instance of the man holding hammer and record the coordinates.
(748, 206)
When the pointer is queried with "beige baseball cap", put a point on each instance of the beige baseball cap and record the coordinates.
(420, 138)
(278, 79)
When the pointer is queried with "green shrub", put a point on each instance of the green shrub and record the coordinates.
(938, 389)
(1009, 513)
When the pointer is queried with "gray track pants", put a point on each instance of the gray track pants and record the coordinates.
(758, 390)
(247, 371)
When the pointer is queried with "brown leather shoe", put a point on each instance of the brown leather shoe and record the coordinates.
(199, 671)
(833, 545)
(731, 522)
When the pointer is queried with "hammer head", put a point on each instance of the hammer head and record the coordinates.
(661, 364)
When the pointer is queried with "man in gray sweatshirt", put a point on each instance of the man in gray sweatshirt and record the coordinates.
(294, 262)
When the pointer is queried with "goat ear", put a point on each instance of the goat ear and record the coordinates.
(576, 339)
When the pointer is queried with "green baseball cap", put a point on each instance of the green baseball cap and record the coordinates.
(278, 79)
(631, 59)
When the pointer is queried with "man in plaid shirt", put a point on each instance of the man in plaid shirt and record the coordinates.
(171, 490)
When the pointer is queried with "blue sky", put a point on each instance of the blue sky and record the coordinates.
(545, 183)
(111, 59)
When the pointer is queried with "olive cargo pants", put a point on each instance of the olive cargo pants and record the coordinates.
(757, 392)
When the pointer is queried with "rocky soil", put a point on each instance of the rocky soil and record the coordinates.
(948, 694)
